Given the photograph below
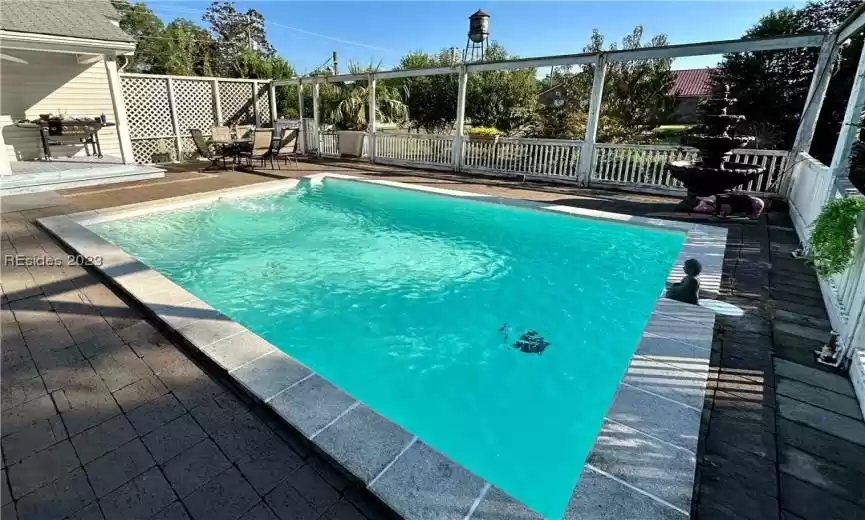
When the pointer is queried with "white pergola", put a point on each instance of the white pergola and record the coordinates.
(829, 44)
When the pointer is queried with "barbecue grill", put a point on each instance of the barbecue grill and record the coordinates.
(86, 130)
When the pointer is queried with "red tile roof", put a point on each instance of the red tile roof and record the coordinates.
(691, 82)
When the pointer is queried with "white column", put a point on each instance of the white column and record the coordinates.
(816, 95)
(273, 111)
(588, 149)
(172, 106)
(457, 159)
(852, 118)
(255, 104)
(302, 134)
(119, 107)
(370, 128)
(5, 166)
(217, 103)
(315, 118)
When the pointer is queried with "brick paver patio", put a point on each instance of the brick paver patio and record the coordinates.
(104, 416)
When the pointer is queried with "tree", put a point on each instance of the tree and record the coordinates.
(505, 100)
(770, 87)
(185, 49)
(138, 21)
(236, 34)
(502, 99)
(346, 105)
(431, 100)
(637, 94)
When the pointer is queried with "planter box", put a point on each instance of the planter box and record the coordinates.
(351, 143)
(483, 137)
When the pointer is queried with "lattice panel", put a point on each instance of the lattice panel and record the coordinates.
(193, 100)
(147, 108)
(263, 105)
(187, 149)
(149, 151)
(236, 102)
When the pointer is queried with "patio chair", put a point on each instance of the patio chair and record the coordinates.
(204, 150)
(262, 147)
(287, 148)
(221, 133)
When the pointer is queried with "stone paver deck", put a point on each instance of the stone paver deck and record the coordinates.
(104, 416)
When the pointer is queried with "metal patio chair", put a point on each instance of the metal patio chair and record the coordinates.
(204, 150)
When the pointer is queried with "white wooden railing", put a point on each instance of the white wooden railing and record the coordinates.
(812, 185)
(532, 157)
(627, 165)
(645, 165)
(426, 150)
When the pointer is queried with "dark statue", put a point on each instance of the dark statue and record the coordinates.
(688, 290)
(713, 173)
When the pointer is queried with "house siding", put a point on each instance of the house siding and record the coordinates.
(50, 83)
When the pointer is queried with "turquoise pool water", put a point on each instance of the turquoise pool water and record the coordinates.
(413, 303)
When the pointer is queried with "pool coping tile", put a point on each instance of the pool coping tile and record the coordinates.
(394, 464)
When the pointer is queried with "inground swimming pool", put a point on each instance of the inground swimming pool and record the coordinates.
(494, 333)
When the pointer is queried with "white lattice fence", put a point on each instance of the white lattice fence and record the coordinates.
(262, 104)
(238, 106)
(162, 109)
(193, 101)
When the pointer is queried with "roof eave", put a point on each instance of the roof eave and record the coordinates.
(16, 40)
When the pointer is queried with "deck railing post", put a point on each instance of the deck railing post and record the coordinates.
(172, 106)
(460, 120)
(315, 117)
(302, 134)
(371, 104)
(588, 149)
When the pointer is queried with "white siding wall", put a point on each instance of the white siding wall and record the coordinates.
(51, 83)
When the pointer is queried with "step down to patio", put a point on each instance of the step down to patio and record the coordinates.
(76, 177)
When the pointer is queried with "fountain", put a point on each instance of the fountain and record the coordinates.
(713, 173)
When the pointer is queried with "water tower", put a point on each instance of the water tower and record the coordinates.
(479, 34)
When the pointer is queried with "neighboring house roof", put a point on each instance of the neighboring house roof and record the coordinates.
(691, 82)
(91, 19)
(686, 83)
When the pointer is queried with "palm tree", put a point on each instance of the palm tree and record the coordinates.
(346, 105)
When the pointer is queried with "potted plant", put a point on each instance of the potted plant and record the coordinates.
(162, 153)
(833, 237)
(483, 133)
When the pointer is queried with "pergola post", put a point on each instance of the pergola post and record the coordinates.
(217, 103)
(126, 151)
(172, 107)
(370, 129)
(814, 100)
(461, 114)
(271, 92)
(255, 104)
(315, 117)
(588, 149)
(852, 119)
(302, 132)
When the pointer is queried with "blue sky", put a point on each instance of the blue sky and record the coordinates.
(305, 33)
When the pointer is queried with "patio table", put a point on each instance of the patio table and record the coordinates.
(232, 146)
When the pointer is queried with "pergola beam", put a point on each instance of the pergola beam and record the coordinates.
(852, 25)
(718, 47)
(667, 51)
